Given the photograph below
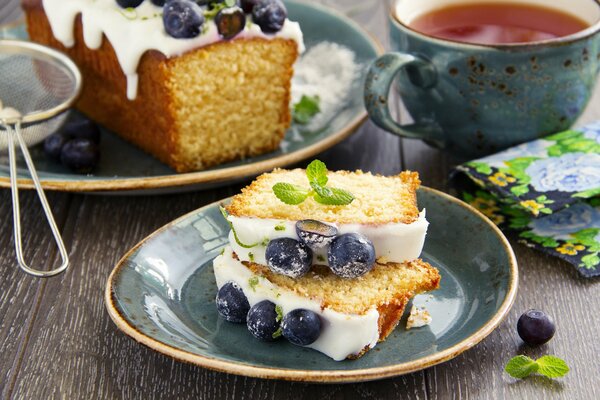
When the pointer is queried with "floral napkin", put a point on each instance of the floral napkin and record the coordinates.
(547, 192)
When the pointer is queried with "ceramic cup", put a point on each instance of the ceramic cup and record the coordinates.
(478, 99)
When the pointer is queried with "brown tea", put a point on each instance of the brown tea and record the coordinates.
(496, 23)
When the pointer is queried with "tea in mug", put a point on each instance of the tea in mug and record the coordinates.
(497, 23)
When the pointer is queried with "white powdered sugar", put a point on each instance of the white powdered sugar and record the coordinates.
(327, 70)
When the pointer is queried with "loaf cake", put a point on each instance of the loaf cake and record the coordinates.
(349, 268)
(190, 101)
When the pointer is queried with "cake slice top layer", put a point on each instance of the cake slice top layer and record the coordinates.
(378, 199)
(386, 284)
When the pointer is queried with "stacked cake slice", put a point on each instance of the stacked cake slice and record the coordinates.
(328, 260)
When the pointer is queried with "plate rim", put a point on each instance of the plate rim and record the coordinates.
(318, 376)
(209, 177)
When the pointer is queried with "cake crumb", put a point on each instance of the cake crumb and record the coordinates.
(418, 317)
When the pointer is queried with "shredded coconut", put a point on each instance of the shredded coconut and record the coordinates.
(327, 70)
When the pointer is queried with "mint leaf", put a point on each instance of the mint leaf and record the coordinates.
(290, 194)
(521, 367)
(305, 109)
(316, 172)
(552, 367)
(336, 197)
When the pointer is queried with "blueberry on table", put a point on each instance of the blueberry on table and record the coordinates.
(535, 327)
(80, 155)
(129, 3)
(288, 257)
(315, 234)
(182, 19)
(230, 21)
(83, 129)
(263, 321)
(351, 255)
(232, 304)
(301, 327)
(270, 15)
(248, 5)
(53, 145)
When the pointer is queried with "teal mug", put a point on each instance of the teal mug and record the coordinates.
(475, 100)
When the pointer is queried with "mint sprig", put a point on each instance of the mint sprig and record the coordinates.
(550, 366)
(305, 109)
(316, 172)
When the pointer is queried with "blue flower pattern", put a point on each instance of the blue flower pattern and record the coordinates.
(573, 173)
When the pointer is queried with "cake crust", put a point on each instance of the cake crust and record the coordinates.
(378, 199)
(172, 119)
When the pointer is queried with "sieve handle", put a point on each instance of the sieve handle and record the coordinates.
(15, 131)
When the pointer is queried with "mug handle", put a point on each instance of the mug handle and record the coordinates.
(377, 87)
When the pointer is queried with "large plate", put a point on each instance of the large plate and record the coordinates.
(162, 295)
(126, 169)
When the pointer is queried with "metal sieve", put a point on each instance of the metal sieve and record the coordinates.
(37, 85)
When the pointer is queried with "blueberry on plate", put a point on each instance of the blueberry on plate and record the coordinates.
(288, 257)
(248, 5)
(230, 21)
(351, 255)
(80, 155)
(232, 304)
(535, 327)
(83, 129)
(183, 19)
(129, 3)
(301, 327)
(159, 3)
(53, 145)
(263, 322)
(269, 15)
(315, 234)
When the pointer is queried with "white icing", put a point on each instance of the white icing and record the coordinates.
(394, 242)
(132, 33)
(342, 334)
(418, 317)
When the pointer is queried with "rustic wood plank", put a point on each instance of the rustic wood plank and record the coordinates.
(19, 293)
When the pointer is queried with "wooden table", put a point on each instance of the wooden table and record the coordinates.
(57, 341)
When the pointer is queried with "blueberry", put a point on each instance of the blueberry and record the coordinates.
(351, 255)
(83, 129)
(315, 234)
(129, 3)
(301, 327)
(289, 257)
(263, 321)
(269, 15)
(80, 155)
(159, 3)
(230, 21)
(535, 327)
(248, 5)
(232, 304)
(54, 144)
(183, 19)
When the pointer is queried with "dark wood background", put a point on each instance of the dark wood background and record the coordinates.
(57, 341)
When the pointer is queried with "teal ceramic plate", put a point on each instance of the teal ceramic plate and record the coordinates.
(162, 295)
(124, 168)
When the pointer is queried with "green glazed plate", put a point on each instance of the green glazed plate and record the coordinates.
(125, 169)
(162, 295)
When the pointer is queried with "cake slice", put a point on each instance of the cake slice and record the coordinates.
(329, 260)
(355, 314)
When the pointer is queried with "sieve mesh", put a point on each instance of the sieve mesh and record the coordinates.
(34, 84)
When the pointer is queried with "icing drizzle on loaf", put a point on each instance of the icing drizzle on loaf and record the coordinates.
(132, 33)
